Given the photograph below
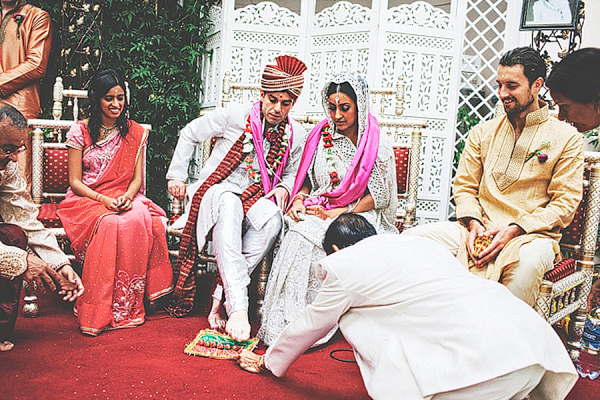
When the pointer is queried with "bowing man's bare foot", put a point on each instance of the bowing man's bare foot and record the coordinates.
(238, 326)
(216, 320)
(6, 345)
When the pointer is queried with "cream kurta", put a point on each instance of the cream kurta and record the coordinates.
(420, 324)
(17, 208)
(495, 184)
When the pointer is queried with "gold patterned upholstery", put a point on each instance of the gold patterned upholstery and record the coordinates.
(55, 171)
(402, 156)
(47, 215)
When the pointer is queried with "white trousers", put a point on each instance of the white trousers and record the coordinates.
(523, 278)
(515, 385)
(239, 247)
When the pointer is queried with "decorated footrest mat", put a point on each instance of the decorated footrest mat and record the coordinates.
(213, 344)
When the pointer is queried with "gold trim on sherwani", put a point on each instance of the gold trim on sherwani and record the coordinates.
(508, 168)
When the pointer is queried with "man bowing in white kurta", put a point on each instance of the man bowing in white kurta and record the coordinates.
(421, 325)
(240, 193)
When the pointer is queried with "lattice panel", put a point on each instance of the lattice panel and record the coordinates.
(443, 84)
(265, 38)
(345, 38)
(483, 45)
(419, 14)
(324, 64)
(267, 14)
(342, 13)
(425, 206)
(419, 41)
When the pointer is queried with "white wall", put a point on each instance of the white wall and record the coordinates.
(591, 26)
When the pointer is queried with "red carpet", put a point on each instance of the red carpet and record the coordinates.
(53, 360)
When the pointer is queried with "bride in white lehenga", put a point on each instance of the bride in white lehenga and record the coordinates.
(347, 166)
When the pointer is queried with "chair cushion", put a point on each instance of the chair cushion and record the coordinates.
(572, 233)
(48, 216)
(564, 268)
(56, 171)
(402, 156)
(399, 225)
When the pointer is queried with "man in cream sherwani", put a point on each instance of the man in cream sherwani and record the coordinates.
(421, 325)
(519, 180)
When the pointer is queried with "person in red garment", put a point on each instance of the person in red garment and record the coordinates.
(116, 232)
(421, 325)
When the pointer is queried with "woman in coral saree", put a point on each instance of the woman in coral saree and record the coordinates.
(115, 231)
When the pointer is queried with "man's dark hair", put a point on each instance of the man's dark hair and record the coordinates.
(346, 230)
(17, 119)
(577, 76)
(533, 64)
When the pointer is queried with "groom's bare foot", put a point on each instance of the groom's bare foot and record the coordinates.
(238, 326)
(216, 319)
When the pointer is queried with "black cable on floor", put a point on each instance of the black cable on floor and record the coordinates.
(331, 354)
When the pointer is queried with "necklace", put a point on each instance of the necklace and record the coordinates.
(254, 175)
(106, 131)
(327, 145)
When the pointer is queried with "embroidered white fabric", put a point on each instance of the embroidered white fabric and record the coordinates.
(293, 283)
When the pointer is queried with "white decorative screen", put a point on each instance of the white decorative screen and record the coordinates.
(484, 41)
(416, 41)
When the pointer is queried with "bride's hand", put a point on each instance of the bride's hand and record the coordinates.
(297, 208)
(317, 211)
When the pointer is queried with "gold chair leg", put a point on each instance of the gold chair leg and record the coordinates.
(31, 308)
(261, 285)
(544, 299)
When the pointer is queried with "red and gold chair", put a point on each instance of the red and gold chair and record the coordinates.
(563, 296)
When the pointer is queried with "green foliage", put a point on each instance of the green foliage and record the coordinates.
(465, 123)
(156, 44)
(593, 136)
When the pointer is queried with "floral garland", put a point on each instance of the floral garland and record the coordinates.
(254, 175)
(328, 144)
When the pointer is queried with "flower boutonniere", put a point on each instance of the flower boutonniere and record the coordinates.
(542, 157)
(19, 20)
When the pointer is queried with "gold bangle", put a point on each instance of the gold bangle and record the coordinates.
(261, 363)
(298, 195)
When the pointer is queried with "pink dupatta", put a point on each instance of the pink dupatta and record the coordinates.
(357, 176)
(257, 138)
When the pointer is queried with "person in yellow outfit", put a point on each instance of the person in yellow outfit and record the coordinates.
(519, 180)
